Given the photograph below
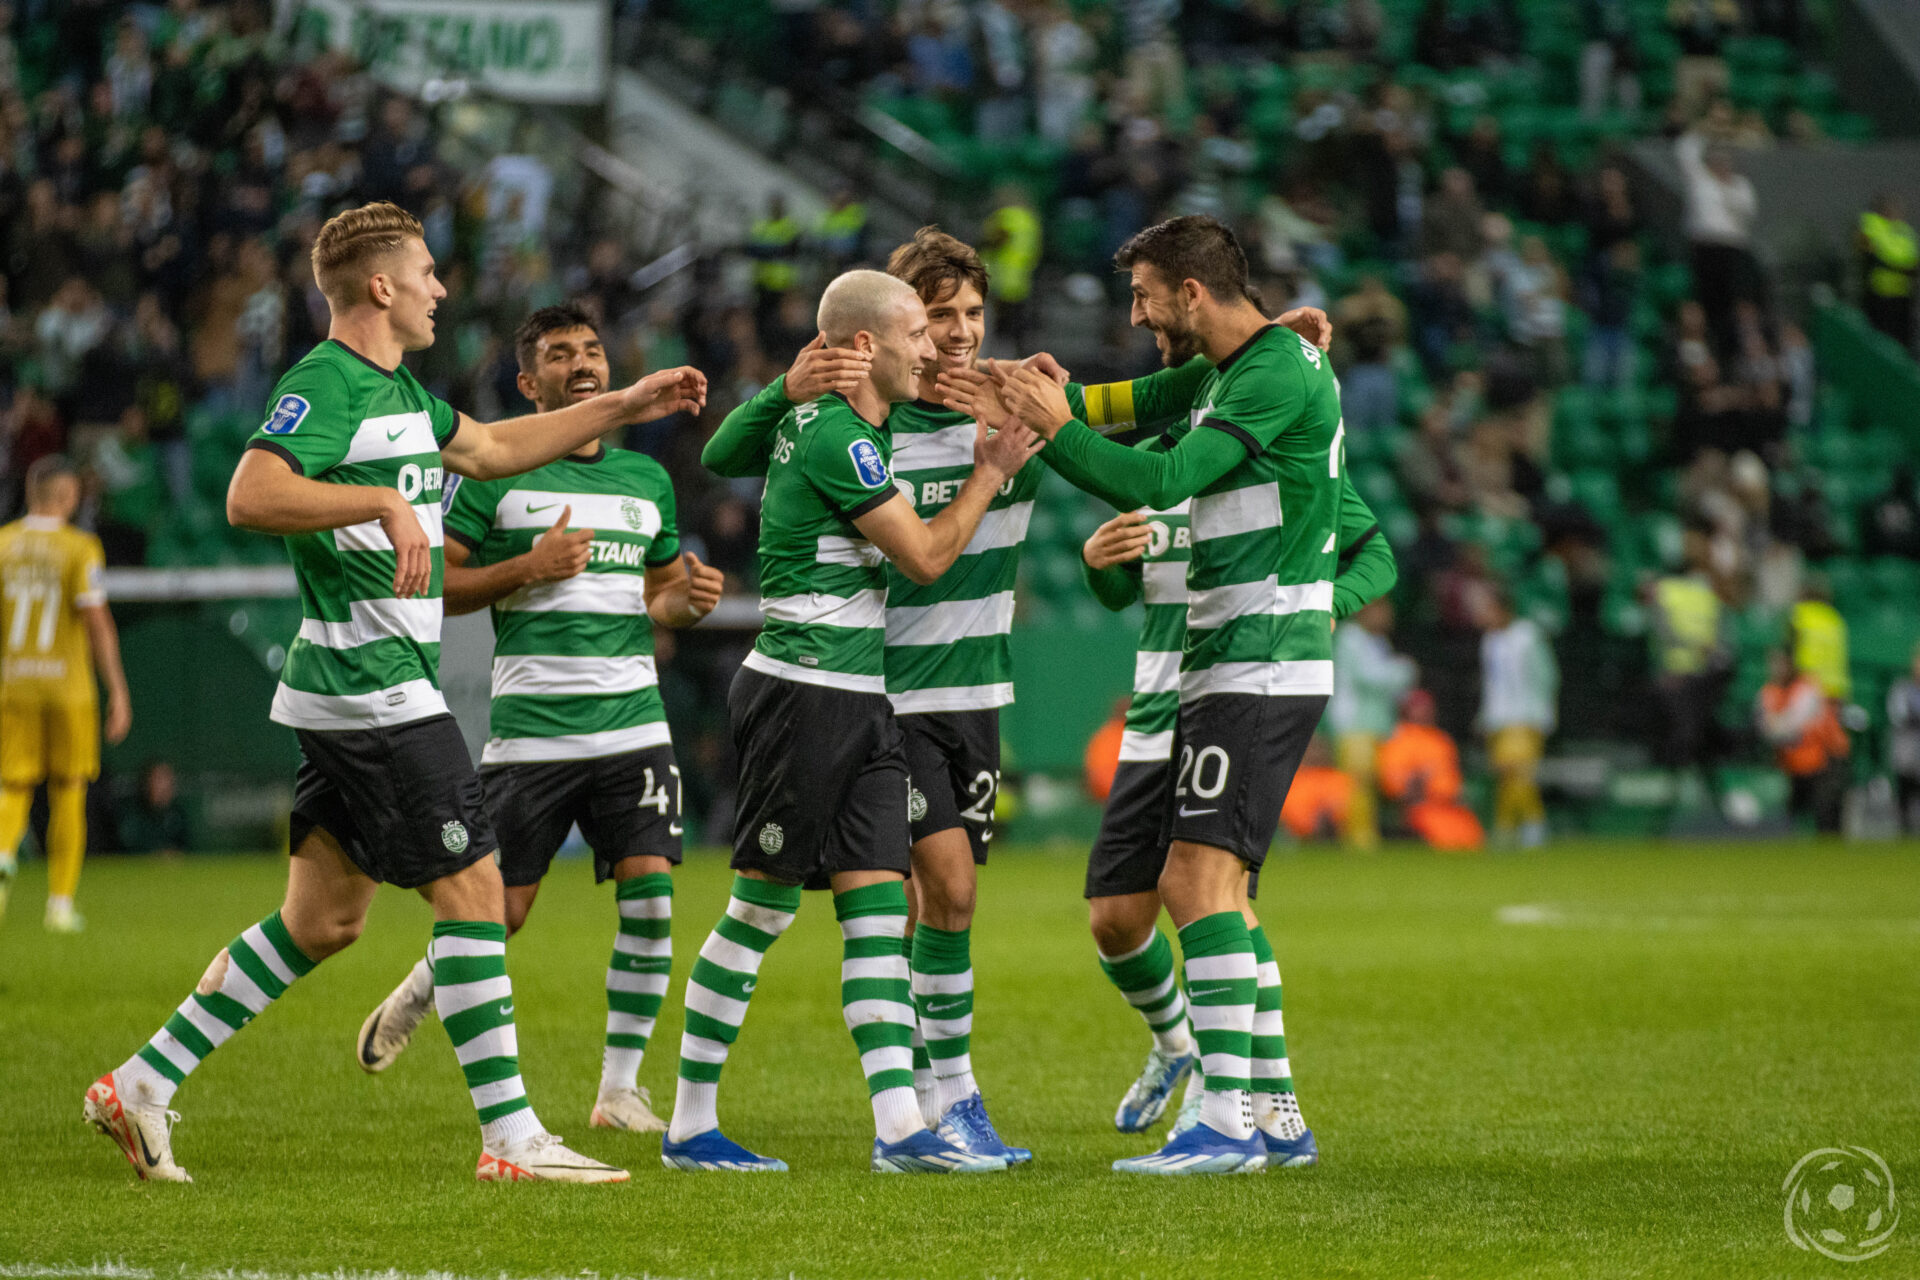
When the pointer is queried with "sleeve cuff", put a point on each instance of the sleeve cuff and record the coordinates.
(1352, 549)
(470, 543)
(657, 561)
(281, 451)
(873, 502)
(1253, 447)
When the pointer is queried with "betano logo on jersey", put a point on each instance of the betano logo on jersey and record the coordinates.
(629, 555)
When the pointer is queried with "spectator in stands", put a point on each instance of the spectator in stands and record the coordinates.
(1890, 524)
(1519, 701)
(1063, 66)
(155, 821)
(1720, 214)
(1613, 294)
(1442, 314)
(1700, 75)
(1547, 191)
(1889, 263)
(73, 324)
(1369, 679)
(1818, 635)
(1796, 718)
(1609, 60)
(1450, 222)
(1369, 325)
(1419, 770)
(1482, 153)
(1534, 297)
(1903, 753)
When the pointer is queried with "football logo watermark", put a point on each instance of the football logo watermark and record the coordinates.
(1841, 1203)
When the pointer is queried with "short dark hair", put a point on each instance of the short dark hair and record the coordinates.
(936, 265)
(546, 320)
(1194, 247)
(47, 467)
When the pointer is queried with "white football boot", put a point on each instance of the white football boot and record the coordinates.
(542, 1158)
(629, 1109)
(390, 1027)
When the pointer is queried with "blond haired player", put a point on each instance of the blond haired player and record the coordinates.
(55, 632)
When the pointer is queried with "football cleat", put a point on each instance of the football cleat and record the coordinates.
(927, 1152)
(967, 1127)
(715, 1151)
(1147, 1099)
(142, 1130)
(543, 1158)
(629, 1109)
(1190, 1105)
(390, 1027)
(1201, 1149)
(1291, 1153)
(62, 918)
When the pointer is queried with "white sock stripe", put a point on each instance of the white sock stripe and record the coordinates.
(1234, 965)
(890, 968)
(487, 1095)
(945, 1028)
(494, 1042)
(886, 1058)
(1221, 1017)
(173, 1051)
(700, 1049)
(1225, 1066)
(461, 996)
(731, 955)
(216, 1031)
(1266, 1022)
(651, 948)
(236, 985)
(887, 926)
(629, 1024)
(1269, 973)
(960, 1064)
(716, 1006)
(942, 984)
(765, 919)
(1155, 995)
(657, 907)
(450, 945)
(1128, 955)
(639, 984)
(257, 942)
(878, 1011)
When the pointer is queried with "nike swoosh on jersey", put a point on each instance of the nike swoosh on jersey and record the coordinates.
(395, 435)
(1194, 813)
(534, 511)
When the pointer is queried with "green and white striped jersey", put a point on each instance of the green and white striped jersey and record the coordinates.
(573, 673)
(363, 658)
(948, 645)
(823, 587)
(1156, 665)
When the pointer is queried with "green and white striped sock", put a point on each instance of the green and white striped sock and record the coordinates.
(1145, 977)
(1275, 1109)
(718, 990)
(877, 1001)
(474, 998)
(637, 975)
(943, 1000)
(1221, 987)
(252, 972)
(923, 1086)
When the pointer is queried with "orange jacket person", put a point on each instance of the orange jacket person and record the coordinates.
(1795, 715)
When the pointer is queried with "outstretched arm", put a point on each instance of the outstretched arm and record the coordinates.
(491, 450)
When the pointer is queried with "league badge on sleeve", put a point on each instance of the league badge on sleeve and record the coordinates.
(867, 464)
(286, 415)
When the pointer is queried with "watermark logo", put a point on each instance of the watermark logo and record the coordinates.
(1841, 1203)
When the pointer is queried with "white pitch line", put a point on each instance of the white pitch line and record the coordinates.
(1551, 916)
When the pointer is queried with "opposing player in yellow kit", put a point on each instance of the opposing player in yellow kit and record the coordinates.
(55, 633)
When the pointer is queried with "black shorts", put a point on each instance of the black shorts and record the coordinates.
(1131, 849)
(403, 801)
(823, 781)
(953, 758)
(1234, 756)
(628, 806)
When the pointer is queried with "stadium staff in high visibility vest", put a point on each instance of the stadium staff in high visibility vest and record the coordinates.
(55, 635)
(842, 233)
(348, 467)
(1889, 264)
(1519, 706)
(1820, 639)
(1010, 246)
(1798, 719)
(773, 242)
(577, 561)
(1691, 663)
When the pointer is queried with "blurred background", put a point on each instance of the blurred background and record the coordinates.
(1625, 326)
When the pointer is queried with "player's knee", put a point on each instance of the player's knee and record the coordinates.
(947, 906)
(1118, 935)
(326, 935)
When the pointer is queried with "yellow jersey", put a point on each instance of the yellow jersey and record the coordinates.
(49, 572)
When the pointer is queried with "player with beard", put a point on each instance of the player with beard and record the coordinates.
(578, 731)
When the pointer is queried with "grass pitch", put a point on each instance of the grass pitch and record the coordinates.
(1597, 1061)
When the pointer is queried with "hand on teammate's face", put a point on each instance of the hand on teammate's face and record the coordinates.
(1118, 541)
(412, 554)
(1310, 323)
(819, 369)
(681, 390)
(970, 391)
(560, 553)
(704, 585)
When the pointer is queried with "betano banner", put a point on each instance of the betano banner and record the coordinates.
(530, 50)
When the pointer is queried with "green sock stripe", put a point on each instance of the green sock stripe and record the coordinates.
(1262, 949)
(475, 930)
(942, 950)
(1145, 971)
(657, 884)
(290, 953)
(241, 956)
(453, 971)
(700, 1072)
(943, 1050)
(1222, 933)
(738, 931)
(188, 1035)
(881, 1081)
(225, 1008)
(699, 1024)
(500, 1110)
(654, 927)
(882, 1035)
(880, 947)
(621, 1041)
(765, 893)
(1269, 1048)
(161, 1063)
(725, 982)
(893, 989)
(641, 1004)
(922, 1061)
(468, 1023)
(887, 898)
(490, 1071)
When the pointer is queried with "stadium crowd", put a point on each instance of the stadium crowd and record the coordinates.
(1542, 404)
